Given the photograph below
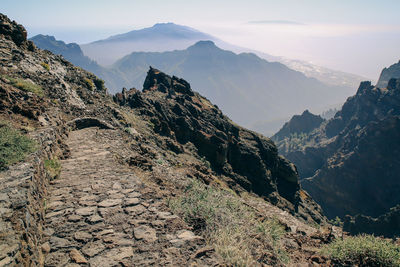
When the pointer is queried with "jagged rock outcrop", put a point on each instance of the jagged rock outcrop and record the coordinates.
(304, 123)
(12, 31)
(350, 164)
(181, 114)
(388, 73)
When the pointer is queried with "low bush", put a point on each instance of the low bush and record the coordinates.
(230, 226)
(363, 250)
(53, 167)
(89, 83)
(14, 146)
(26, 85)
(99, 83)
(45, 66)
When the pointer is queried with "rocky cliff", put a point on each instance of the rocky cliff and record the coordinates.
(388, 73)
(100, 187)
(181, 114)
(296, 133)
(350, 164)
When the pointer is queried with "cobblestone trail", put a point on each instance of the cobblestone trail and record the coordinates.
(100, 214)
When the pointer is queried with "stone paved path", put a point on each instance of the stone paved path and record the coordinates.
(100, 214)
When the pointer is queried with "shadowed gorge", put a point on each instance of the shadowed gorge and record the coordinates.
(350, 163)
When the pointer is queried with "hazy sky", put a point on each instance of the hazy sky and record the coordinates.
(358, 36)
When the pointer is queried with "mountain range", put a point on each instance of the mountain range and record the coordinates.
(159, 38)
(163, 37)
(256, 93)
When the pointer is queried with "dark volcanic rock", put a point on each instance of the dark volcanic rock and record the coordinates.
(350, 164)
(12, 30)
(298, 124)
(362, 175)
(247, 158)
(387, 74)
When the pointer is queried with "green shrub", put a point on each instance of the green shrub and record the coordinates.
(230, 225)
(99, 84)
(27, 86)
(53, 167)
(13, 146)
(89, 83)
(128, 130)
(45, 66)
(337, 222)
(363, 250)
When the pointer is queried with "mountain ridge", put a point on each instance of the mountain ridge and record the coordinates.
(243, 85)
(326, 75)
(349, 164)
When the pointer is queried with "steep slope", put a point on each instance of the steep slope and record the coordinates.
(246, 87)
(158, 38)
(350, 165)
(73, 53)
(388, 73)
(183, 115)
(99, 187)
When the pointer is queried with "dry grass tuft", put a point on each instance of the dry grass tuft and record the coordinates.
(232, 227)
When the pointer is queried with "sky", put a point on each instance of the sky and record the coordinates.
(356, 36)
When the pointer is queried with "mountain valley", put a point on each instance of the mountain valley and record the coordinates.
(349, 164)
(148, 161)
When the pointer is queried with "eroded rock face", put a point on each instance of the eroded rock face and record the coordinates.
(350, 164)
(299, 124)
(12, 30)
(389, 73)
(249, 159)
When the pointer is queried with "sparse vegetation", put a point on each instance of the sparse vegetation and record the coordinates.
(230, 226)
(53, 167)
(337, 221)
(206, 162)
(128, 130)
(89, 83)
(13, 146)
(26, 85)
(99, 83)
(296, 141)
(45, 66)
(364, 250)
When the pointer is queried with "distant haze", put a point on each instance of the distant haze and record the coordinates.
(359, 36)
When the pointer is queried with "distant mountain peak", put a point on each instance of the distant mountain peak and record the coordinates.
(206, 44)
(166, 24)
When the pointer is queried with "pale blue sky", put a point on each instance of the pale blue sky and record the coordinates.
(358, 36)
